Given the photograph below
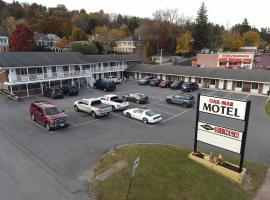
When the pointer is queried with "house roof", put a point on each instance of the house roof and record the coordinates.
(24, 59)
(4, 34)
(255, 75)
(129, 39)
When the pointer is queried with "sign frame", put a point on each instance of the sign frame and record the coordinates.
(244, 132)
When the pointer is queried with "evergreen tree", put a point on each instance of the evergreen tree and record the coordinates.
(201, 30)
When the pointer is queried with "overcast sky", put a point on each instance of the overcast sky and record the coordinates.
(225, 12)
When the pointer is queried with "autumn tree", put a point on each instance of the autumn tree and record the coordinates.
(22, 39)
(63, 42)
(184, 44)
(201, 31)
(89, 48)
(78, 35)
(9, 24)
(231, 40)
(252, 38)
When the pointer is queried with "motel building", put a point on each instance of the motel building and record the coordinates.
(254, 81)
(28, 73)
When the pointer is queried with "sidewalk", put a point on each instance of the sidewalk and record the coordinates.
(264, 191)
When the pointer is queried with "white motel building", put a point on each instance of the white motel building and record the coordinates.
(28, 73)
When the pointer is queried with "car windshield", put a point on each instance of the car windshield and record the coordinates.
(52, 111)
(140, 95)
(114, 98)
(176, 82)
(150, 113)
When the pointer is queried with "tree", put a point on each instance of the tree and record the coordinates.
(242, 28)
(252, 38)
(78, 35)
(22, 39)
(184, 44)
(81, 21)
(201, 31)
(63, 42)
(89, 48)
(237, 43)
(232, 40)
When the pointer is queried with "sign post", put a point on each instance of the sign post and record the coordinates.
(197, 121)
(135, 166)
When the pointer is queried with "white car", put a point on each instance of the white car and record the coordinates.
(114, 79)
(145, 115)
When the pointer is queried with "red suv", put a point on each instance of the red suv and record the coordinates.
(48, 115)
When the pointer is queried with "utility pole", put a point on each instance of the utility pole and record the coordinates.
(161, 50)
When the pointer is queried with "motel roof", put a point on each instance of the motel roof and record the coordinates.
(255, 75)
(36, 59)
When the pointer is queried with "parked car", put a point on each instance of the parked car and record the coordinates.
(114, 79)
(114, 101)
(105, 85)
(189, 87)
(136, 97)
(155, 82)
(165, 84)
(145, 115)
(176, 85)
(185, 100)
(54, 92)
(93, 106)
(70, 90)
(48, 114)
(145, 80)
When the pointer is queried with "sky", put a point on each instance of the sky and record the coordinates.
(223, 12)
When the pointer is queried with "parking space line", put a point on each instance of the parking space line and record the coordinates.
(245, 97)
(227, 95)
(267, 100)
(177, 115)
(160, 110)
(132, 120)
(89, 122)
(72, 123)
(168, 106)
(38, 125)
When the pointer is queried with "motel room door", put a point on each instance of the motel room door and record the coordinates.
(221, 84)
(229, 85)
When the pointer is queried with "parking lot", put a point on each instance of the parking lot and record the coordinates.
(59, 161)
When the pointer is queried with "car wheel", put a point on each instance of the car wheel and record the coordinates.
(93, 114)
(128, 115)
(145, 120)
(185, 105)
(47, 126)
(76, 109)
(33, 117)
(169, 101)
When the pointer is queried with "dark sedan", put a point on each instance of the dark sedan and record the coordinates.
(176, 85)
(165, 84)
(155, 82)
(189, 87)
(145, 80)
(54, 92)
(136, 97)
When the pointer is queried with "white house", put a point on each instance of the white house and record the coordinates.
(128, 45)
(4, 44)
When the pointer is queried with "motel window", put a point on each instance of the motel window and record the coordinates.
(39, 70)
(254, 86)
(212, 82)
(239, 84)
(23, 71)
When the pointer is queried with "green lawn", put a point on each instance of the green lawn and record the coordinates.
(267, 108)
(166, 173)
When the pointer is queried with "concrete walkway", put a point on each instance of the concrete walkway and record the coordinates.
(264, 191)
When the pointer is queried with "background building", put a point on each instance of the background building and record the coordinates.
(48, 41)
(128, 45)
(4, 43)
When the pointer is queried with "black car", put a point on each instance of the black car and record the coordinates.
(189, 87)
(54, 92)
(70, 90)
(155, 82)
(145, 80)
(176, 85)
(136, 97)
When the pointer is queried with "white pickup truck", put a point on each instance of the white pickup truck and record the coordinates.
(94, 106)
(114, 101)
